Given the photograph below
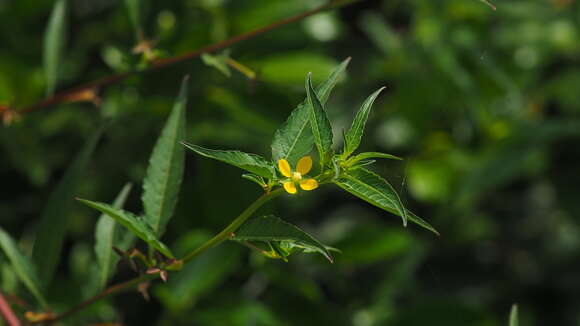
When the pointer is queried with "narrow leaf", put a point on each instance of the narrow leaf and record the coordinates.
(54, 220)
(321, 128)
(133, 223)
(107, 235)
(354, 134)
(250, 162)
(367, 155)
(54, 38)
(271, 228)
(370, 187)
(165, 171)
(514, 315)
(293, 139)
(134, 10)
(22, 266)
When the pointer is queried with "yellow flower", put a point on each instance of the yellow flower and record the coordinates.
(304, 165)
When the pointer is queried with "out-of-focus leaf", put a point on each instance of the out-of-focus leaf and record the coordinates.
(107, 235)
(514, 315)
(22, 266)
(321, 128)
(373, 189)
(217, 61)
(294, 138)
(134, 9)
(354, 134)
(200, 276)
(165, 171)
(271, 228)
(250, 162)
(290, 68)
(54, 220)
(367, 155)
(54, 39)
(132, 222)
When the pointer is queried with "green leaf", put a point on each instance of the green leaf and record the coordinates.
(367, 155)
(354, 134)
(54, 44)
(370, 187)
(134, 10)
(218, 61)
(514, 315)
(22, 266)
(271, 228)
(132, 222)
(250, 162)
(321, 128)
(107, 235)
(165, 171)
(54, 220)
(294, 139)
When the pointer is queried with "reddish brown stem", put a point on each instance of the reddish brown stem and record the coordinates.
(7, 312)
(98, 84)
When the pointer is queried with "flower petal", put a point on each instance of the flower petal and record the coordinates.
(284, 168)
(309, 184)
(304, 165)
(290, 187)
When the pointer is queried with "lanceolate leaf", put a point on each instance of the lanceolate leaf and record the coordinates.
(271, 228)
(132, 222)
(54, 43)
(373, 189)
(294, 138)
(514, 316)
(321, 128)
(22, 266)
(165, 171)
(354, 134)
(107, 235)
(54, 220)
(134, 9)
(367, 155)
(249, 162)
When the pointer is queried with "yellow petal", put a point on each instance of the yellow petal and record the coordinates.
(284, 168)
(304, 165)
(290, 187)
(309, 184)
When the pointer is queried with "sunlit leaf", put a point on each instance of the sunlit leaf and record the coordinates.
(22, 266)
(51, 229)
(272, 229)
(165, 171)
(294, 139)
(371, 188)
(133, 223)
(321, 128)
(354, 134)
(249, 162)
(107, 235)
(368, 155)
(54, 39)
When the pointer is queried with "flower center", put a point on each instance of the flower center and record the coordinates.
(296, 176)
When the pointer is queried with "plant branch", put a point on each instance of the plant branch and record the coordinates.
(96, 85)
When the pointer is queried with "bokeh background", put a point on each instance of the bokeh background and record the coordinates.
(482, 104)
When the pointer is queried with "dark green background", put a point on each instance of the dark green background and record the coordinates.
(482, 104)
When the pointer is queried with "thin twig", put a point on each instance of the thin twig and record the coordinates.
(98, 84)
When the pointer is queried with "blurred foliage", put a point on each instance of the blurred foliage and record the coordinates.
(482, 104)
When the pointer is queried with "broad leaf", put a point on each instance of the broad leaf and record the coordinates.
(294, 139)
(132, 222)
(514, 316)
(107, 235)
(354, 134)
(54, 44)
(54, 220)
(22, 266)
(272, 229)
(165, 171)
(250, 162)
(321, 128)
(373, 189)
(367, 155)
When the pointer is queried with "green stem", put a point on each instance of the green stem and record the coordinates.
(227, 232)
